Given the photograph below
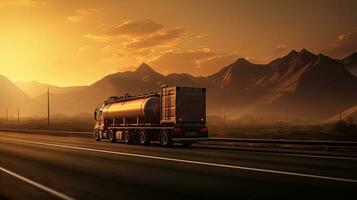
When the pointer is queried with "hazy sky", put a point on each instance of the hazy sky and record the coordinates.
(79, 42)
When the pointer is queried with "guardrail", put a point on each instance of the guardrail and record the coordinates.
(311, 147)
(76, 133)
(281, 141)
(235, 140)
(44, 130)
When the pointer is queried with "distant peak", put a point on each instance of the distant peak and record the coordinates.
(353, 55)
(305, 52)
(321, 58)
(306, 55)
(242, 61)
(144, 65)
(144, 68)
(290, 55)
(350, 59)
(293, 52)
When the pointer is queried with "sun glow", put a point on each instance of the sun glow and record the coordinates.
(25, 48)
(76, 43)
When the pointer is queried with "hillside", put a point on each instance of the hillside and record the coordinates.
(345, 115)
(311, 87)
(34, 88)
(12, 98)
(143, 80)
(351, 63)
(233, 88)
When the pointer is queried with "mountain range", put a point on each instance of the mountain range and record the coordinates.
(351, 63)
(306, 85)
(12, 98)
(34, 88)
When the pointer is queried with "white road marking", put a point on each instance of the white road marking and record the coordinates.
(190, 161)
(38, 185)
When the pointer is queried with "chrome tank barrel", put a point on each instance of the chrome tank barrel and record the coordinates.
(146, 109)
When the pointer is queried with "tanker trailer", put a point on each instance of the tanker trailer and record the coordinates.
(173, 115)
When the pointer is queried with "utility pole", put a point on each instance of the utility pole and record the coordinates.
(18, 115)
(7, 116)
(48, 108)
(286, 118)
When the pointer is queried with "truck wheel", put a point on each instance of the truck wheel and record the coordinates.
(165, 139)
(143, 138)
(112, 137)
(127, 137)
(96, 135)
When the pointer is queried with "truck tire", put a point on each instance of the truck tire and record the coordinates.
(143, 138)
(127, 137)
(96, 135)
(111, 136)
(165, 139)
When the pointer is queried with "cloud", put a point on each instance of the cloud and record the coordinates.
(81, 14)
(75, 18)
(280, 48)
(135, 41)
(30, 3)
(201, 35)
(98, 38)
(141, 34)
(84, 48)
(134, 28)
(138, 56)
(161, 38)
(344, 45)
(87, 11)
(197, 62)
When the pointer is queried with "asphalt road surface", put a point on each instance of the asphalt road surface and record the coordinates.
(34, 166)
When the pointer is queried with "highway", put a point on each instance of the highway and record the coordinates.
(34, 166)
